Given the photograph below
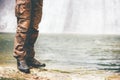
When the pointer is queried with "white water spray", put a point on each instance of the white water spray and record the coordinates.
(69, 16)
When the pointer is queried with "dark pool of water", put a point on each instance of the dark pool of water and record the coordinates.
(101, 52)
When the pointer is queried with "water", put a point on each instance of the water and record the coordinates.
(99, 52)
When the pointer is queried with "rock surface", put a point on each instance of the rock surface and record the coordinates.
(11, 73)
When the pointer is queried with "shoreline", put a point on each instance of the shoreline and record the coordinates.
(11, 73)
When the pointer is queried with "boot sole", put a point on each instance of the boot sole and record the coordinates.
(25, 71)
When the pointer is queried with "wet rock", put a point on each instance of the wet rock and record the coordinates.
(49, 74)
(114, 77)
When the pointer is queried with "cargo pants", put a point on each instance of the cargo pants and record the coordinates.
(28, 13)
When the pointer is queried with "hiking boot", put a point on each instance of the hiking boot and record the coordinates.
(32, 62)
(22, 66)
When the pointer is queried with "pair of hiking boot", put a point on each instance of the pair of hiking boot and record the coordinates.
(24, 65)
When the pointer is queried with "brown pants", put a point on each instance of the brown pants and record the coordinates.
(28, 13)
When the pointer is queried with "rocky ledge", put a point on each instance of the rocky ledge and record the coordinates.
(11, 73)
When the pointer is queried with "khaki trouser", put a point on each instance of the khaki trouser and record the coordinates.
(28, 13)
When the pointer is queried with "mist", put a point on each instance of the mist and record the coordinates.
(69, 16)
(7, 16)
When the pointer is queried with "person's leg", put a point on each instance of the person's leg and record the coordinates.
(35, 20)
(23, 14)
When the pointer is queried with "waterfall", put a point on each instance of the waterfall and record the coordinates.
(7, 16)
(69, 16)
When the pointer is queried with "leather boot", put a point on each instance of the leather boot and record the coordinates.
(32, 62)
(22, 66)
